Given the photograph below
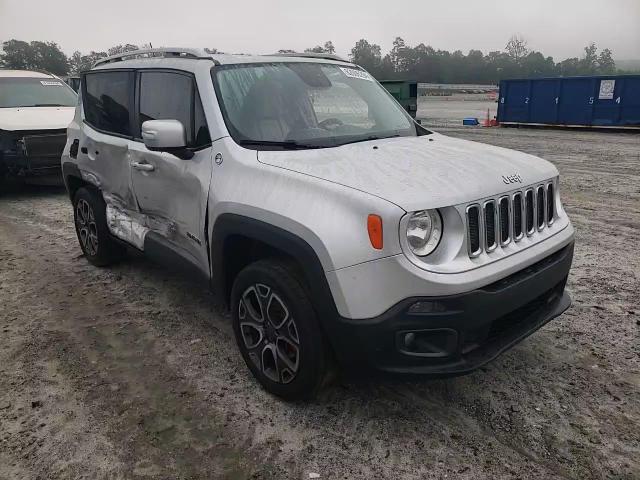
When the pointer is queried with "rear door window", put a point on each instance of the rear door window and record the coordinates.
(107, 100)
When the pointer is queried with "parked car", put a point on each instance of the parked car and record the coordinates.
(35, 110)
(340, 233)
(73, 82)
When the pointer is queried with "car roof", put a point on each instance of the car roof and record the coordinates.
(182, 58)
(24, 74)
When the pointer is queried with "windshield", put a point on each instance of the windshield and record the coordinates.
(307, 105)
(35, 92)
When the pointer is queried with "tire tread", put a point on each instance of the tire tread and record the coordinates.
(288, 275)
(109, 250)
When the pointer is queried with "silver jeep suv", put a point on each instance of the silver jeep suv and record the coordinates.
(338, 230)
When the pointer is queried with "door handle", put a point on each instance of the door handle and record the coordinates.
(144, 167)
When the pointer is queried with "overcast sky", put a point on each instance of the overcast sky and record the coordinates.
(559, 28)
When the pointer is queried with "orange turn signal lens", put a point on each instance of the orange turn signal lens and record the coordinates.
(374, 226)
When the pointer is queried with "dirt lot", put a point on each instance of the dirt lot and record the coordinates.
(131, 372)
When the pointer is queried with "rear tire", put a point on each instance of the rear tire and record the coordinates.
(277, 330)
(89, 214)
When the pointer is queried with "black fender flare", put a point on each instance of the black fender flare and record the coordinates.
(71, 171)
(229, 224)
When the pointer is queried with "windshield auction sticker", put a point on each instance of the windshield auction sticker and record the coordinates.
(355, 73)
(48, 83)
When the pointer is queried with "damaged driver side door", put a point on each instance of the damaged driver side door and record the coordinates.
(171, 190)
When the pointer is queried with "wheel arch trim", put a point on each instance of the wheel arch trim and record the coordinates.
(230, 224)
(70, 171)
(71, 174)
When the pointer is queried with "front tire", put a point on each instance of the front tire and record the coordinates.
(277, 330)
(89, 214)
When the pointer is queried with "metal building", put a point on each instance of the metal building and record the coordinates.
(599, 101)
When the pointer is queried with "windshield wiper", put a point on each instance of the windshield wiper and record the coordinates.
(370, 137)
(49, 105)
(285, 144)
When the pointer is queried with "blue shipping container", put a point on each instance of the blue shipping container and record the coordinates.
(602, 101)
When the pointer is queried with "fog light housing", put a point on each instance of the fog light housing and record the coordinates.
(426, 306)
(434, 343)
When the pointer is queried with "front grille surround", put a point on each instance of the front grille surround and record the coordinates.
(499, 221)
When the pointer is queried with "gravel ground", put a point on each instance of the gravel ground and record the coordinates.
(132, 372)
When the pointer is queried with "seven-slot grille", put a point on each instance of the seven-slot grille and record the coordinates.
(510, 217)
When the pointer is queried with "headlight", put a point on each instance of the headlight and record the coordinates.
(424, 231)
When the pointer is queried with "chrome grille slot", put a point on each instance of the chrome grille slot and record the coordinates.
(504, 220)
(540, 207)
(473, 230)
(497, 222)
(490, 225)
(518, 230)
(529, 211)
(551, 204)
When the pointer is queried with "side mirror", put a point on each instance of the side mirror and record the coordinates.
(166, 136)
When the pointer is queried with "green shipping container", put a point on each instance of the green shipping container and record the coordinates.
(406, 93)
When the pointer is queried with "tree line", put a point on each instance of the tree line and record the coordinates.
(47, 56)
(426, 64)
(421, 62)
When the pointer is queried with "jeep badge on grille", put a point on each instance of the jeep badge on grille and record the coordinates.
(515, 178)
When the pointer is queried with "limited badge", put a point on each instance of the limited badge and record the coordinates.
(218, 159)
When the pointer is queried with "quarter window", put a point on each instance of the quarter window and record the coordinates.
(107, 100)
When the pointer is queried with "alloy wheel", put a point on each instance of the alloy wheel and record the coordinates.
(87, 229)
(269, 333)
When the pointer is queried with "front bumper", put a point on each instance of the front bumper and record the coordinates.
(31, 153)
(453, 335)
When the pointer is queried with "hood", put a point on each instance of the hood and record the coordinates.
(416, 173)
(35, 118)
